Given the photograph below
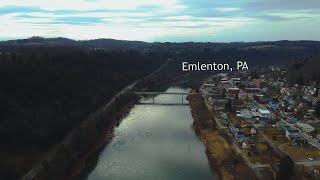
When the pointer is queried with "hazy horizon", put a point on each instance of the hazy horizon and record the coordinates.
(162, 20)
(10, 39)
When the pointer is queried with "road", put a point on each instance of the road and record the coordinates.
(308, 162)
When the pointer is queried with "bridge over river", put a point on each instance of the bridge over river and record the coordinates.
(172, 93)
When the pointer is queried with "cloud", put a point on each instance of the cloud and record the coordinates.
(227, 9)
(88, 5)
(146, 19)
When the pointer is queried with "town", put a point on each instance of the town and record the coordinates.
(266, 118)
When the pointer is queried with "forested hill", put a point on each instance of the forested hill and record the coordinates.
(45, 91)
(302, 71)
(255, 53)
(96, 43)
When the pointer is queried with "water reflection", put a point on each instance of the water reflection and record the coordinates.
(154, 142)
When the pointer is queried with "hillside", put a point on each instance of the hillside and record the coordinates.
(56, 42)
(45, 92)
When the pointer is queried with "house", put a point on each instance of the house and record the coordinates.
(241, 136)
(273, 105)
(260, 83)
(251, 89)
(219, 104)
(225, 80)
(284, 90)
(264, 114)
(235, 80)
(306, 127)
(291, 102)
(209, 85)
(248, 144)
(224, 117)
(311, 111)
(255, 114)
(253, 131)
(233, 90)
(266, 100)
(282, 125)
(292, 119)
(291, 93)
(254, 107)
(233, 129)
(246, 114)
(292, 134)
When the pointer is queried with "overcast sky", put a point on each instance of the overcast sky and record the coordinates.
(162, 20)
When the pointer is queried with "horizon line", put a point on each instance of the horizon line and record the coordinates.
(4, 39)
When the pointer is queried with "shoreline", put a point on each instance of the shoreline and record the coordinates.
(106, 136)
(104, 139)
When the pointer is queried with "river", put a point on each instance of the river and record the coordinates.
(154, 142)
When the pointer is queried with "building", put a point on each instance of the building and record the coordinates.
(235, 80)
(266, 100)
(264, 114)
(282, 125)
(233, 129)
(248, 144)
(292, 134)
(253, 131)
(233, 90)
(273, 105)
(219, 104)
(260, 83)
(225, 80)
(251, 89)
(246, 114)
(284, 90)
(306, 127)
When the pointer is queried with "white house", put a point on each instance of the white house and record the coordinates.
(248, 144)
(284, 90)
(264, 114)
(246, 114)
(253, 131)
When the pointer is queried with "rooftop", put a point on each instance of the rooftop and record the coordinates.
(264, 111)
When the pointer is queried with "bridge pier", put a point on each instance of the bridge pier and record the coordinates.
(182, 99)
(152, 100)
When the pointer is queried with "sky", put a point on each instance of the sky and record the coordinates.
(162, 20)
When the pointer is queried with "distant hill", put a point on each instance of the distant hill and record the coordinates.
(95, 43)
(255, 53)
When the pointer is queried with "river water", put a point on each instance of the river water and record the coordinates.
(154, 142)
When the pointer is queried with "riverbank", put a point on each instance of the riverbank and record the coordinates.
(108, 132)
(222, 158)
(105, 137)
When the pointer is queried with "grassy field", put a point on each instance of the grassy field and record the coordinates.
(296, 152)
(301, 153)
(262, 154)
(307, 172)
(267, 172)
(276, 136)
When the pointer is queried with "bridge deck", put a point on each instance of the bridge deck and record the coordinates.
(176, 93)
(163, 104)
